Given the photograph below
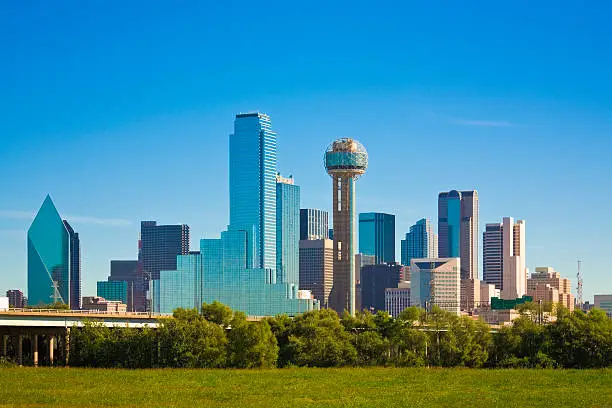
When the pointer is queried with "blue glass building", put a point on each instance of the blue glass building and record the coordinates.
(113, 290)
(53, 259)
(253, 184)
(287, 231)
(314, 224)
(377, 236)
(420, 242)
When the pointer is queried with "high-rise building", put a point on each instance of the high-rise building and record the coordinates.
(436, 282)
(420, 242)
(515, 273)
(397, 299)
(547, 285)
(287, 230)
(458, 229)
(377, 236)
(374, 280)
(253, 185)
(125, 271)
(317, 268)
(16, 298)
(114, 291)
(492, 255)
(53, 259)
(75, 267)
(345, 160)
(314, 224)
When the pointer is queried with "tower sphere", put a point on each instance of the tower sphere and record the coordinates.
(347, 157)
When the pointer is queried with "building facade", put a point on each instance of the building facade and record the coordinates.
(53, 259)
(493, 255)
(113, 290)
(287, 230)
(317, 268)
(436, 282)
(515, 273)
(397, 299)
(16, 298)
(604, 302)
(458, 229)
(420, 242)
(252, 173)
(375, 279)
(314, 224)
(547, 285)
(377, 236)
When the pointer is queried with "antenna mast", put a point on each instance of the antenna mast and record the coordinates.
(579, 285)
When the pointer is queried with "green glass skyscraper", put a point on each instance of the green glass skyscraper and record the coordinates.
(377, 236)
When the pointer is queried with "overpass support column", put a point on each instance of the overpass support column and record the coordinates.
(67, 343)
(51, 346)
(4, 345)
(35, 349)
(20, 349)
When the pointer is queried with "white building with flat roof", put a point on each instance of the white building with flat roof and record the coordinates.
(436, 282)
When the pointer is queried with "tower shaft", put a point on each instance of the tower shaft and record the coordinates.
(342, 296)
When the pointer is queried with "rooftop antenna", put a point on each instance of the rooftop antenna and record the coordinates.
(579, 285)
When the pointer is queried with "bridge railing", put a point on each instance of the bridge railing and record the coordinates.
(83, 312)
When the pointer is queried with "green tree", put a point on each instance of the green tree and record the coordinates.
(282, 327)
(372, 348)
(218, 313)
(251, 344)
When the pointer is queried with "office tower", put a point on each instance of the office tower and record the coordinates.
(547, 285)
(53, 258)
(458, 229)
(377, 236)
(374, 280)
(317, 268)
(114, 291)
(420, 242)
(74, 245)
(345, 160)
(252, 170)
(16, 298)
(287, 230)
(492, 255)
(125, 271)
(314, 224)
(515, 273)
(397, 299)
(604, 302)
(331, 233)
(436, 281)
(157, 250)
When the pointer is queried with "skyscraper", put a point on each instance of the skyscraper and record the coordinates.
(374, 280)
(53, 259)
(435, 281)
(158, 247)
(492, 255)
(16, 298)
(75, 267)
(314, 224)
(345, 160)
(515, 272)
(317, 268)
(458, 229)
(253, 185)
(287, 230)
(420, 242)
(377, 236)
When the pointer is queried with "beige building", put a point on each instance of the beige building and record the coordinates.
(317, 268)
(435, 282)
(514, 279)
(100, 304)
(547, 285)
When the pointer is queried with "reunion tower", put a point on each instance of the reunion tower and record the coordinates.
(345, 160)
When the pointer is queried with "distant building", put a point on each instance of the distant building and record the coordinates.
(604, 302)
(436, 282)
(53, 259)
(458, 229)
(331, 234)
(470, 294)
(547, 285)
(493, 255)
(16, 298)
(377, 236)
(317, 268)
(314, 224)
(397, 299)
(95, 303)
(487, 292)
(113, 290)
(420, 242)
(287, 230)
(158, 247)
(374, 280)
(126, 271)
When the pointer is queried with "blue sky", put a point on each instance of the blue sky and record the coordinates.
(122, 110)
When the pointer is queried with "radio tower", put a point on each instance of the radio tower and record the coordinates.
(579, 286)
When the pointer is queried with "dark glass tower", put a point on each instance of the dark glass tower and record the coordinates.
(314, 224)
(74, 249)
(377, 236)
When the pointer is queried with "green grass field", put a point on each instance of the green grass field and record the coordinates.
(305, 387)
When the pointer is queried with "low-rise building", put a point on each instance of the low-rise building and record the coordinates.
(16, 298)
(397, 299)
(100, 304)
(604, 302)
(547, 285)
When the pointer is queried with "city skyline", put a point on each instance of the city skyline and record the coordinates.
(126, 145)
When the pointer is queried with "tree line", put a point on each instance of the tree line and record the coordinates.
(217, 337)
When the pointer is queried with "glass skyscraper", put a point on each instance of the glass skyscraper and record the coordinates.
(314, 224)
(53, 259)
(420, 242)
(287, 230)
(377, 236)
(253, 184)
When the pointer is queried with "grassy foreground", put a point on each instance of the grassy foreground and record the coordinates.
(305, 387)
